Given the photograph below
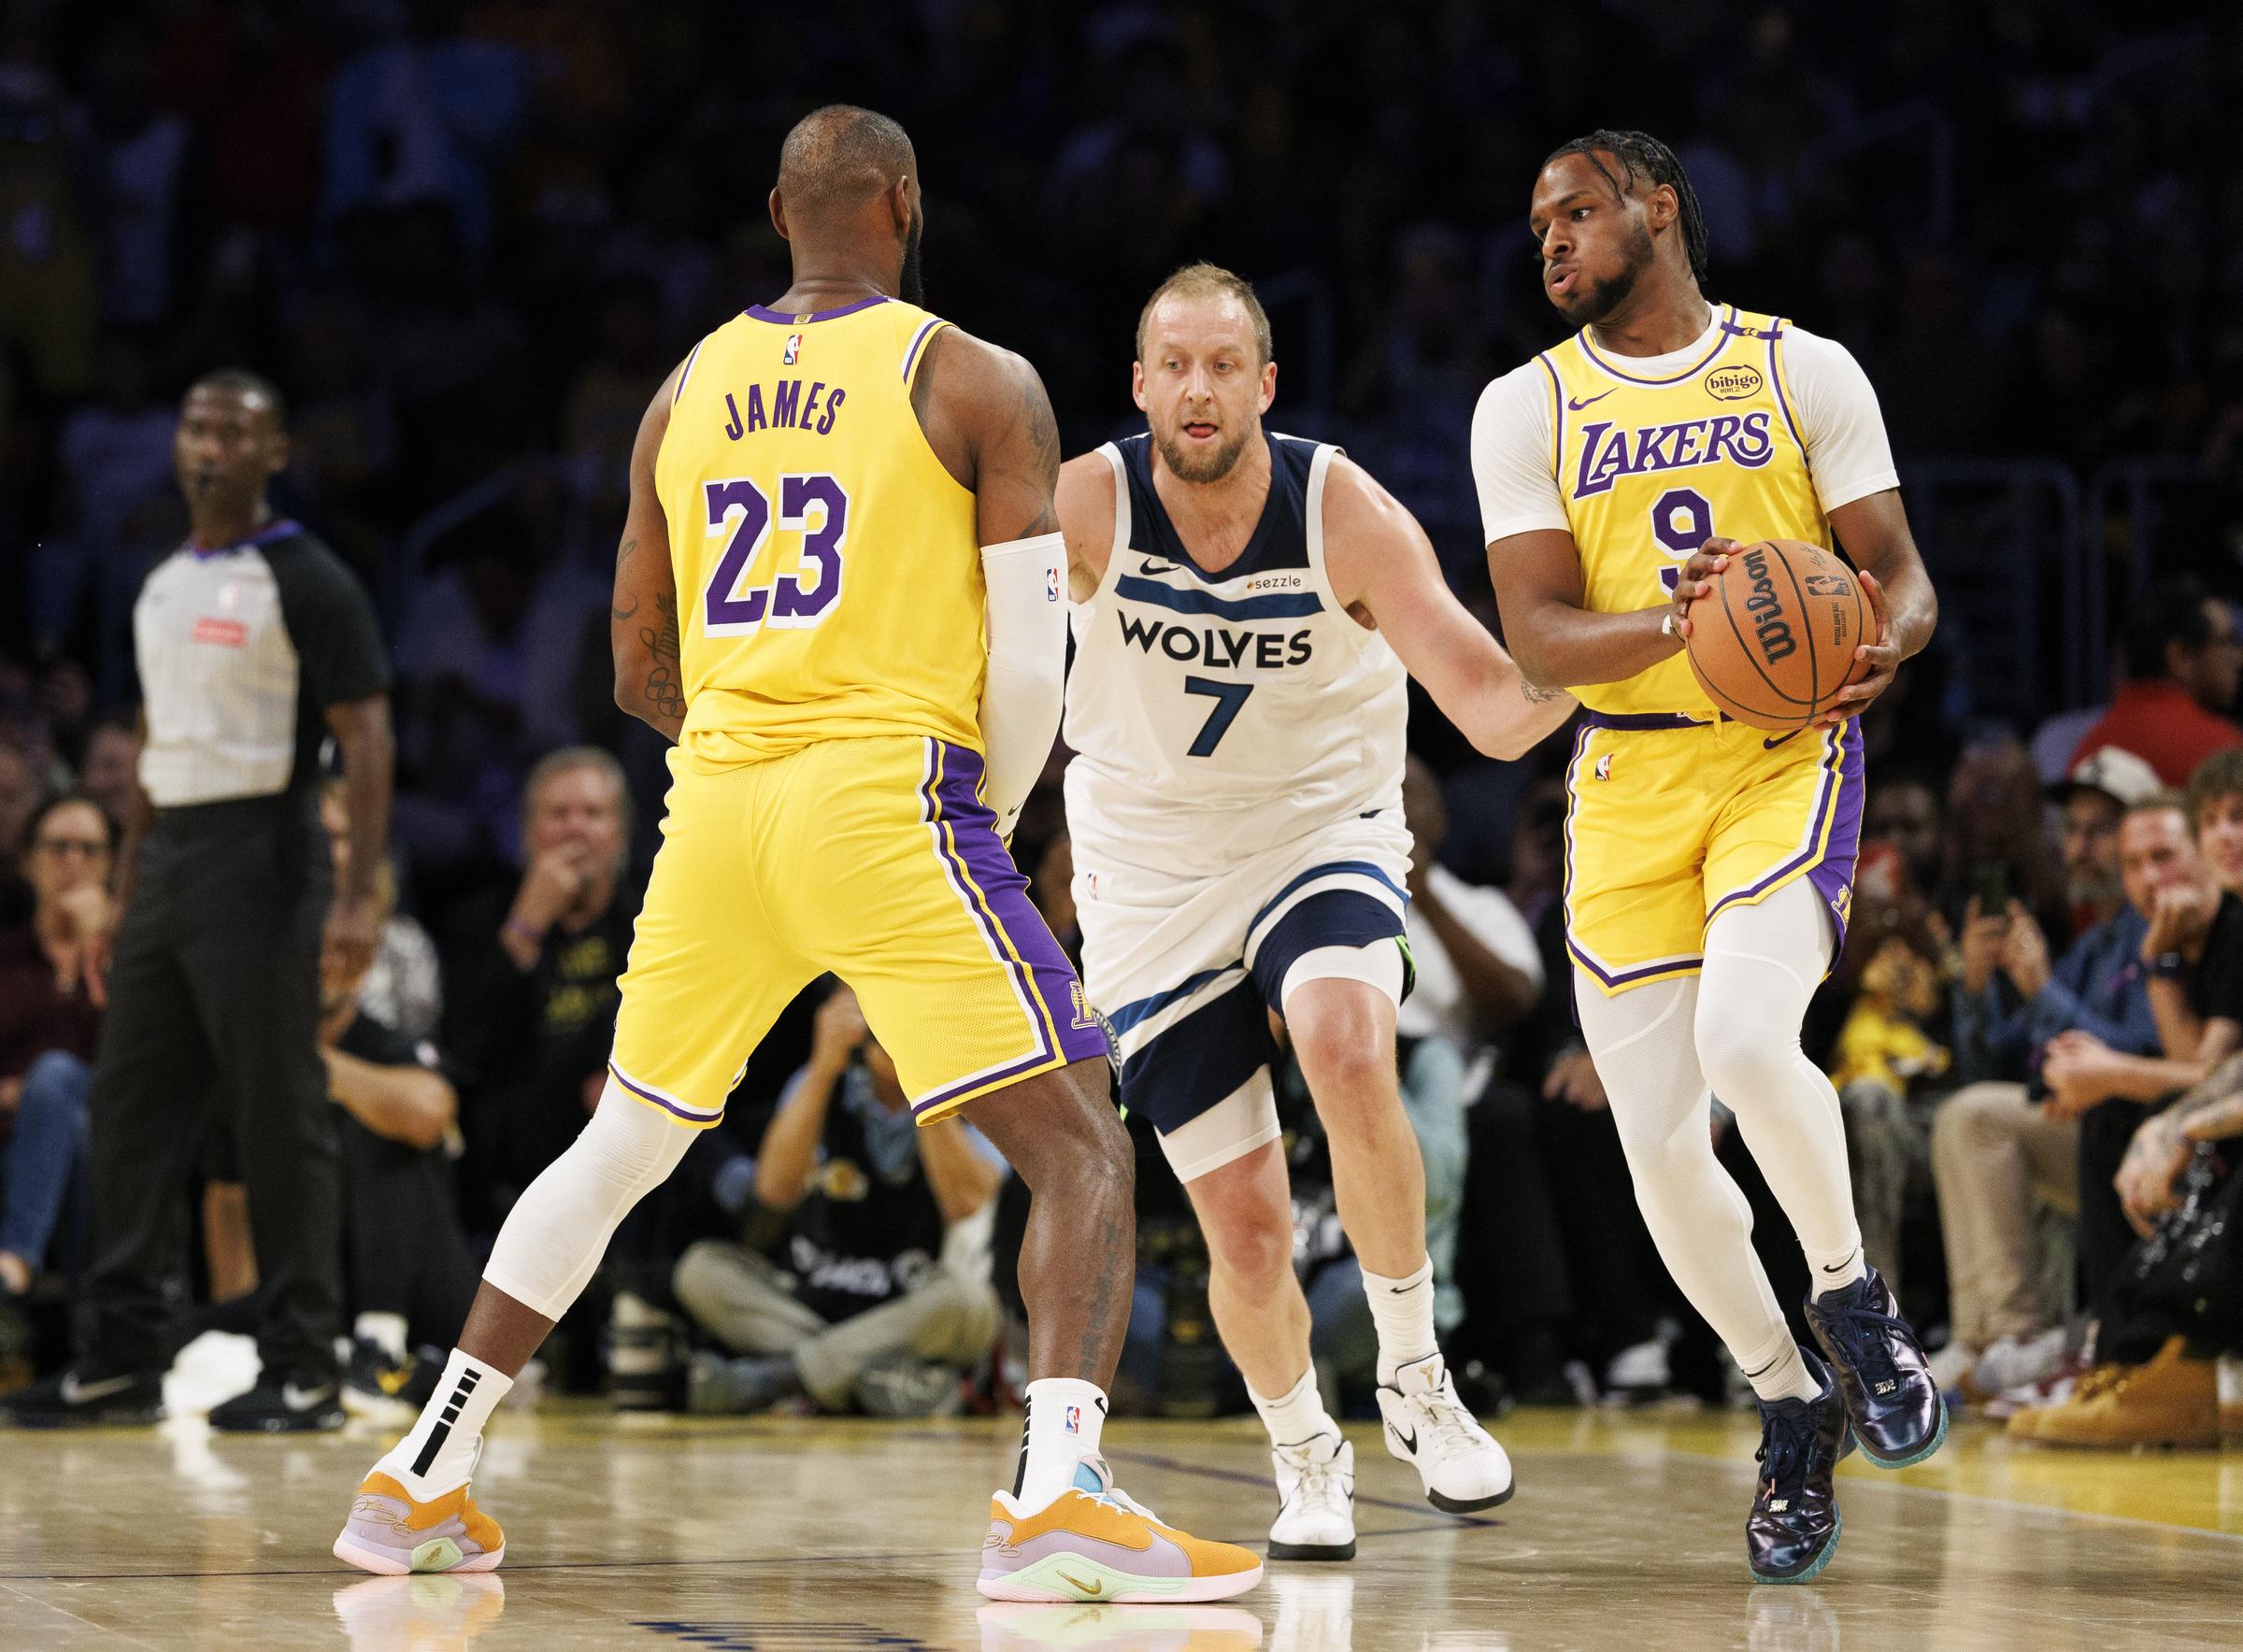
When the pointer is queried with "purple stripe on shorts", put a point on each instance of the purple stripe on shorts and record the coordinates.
(1836, 838)
(648, 1096)
(998, 892)
(787, 319)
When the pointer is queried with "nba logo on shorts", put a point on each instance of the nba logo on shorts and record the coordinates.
(1603, 766)
(1074, 1419)
(793, 349)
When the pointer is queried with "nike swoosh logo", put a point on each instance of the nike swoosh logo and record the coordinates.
(1149, 567)
(1574, 406)
(84, 1393)
(1409, 1442)
(298, 1399)
(1780, 739)
(1092, 1590)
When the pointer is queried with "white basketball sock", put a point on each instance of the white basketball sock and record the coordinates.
(439, 1453)
(1297, 1415)
(1402, 1311)
(1065, 1415)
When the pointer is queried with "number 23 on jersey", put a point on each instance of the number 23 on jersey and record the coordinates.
(811, 505)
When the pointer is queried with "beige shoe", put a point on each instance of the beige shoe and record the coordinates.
(2171, 1401)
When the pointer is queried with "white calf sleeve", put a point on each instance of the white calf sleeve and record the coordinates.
(557, 1232)
(1763, 964)
(1642, 1043)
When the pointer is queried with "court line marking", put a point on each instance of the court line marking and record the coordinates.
(2055, 1510)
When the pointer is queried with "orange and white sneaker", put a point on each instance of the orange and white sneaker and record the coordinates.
(1094, 1542)
(390, 1535)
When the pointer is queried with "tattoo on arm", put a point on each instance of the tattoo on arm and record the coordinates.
(1042, 427)
(1536, 695)
(622, 556)
(665, 682)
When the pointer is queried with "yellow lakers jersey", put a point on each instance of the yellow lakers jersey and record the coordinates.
(1651, 468)
(829, 573)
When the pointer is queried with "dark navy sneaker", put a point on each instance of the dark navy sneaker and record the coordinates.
(83, 1400)
(1793, 1530)
(1891, 1397)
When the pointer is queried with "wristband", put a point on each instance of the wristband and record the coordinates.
(2168, 966)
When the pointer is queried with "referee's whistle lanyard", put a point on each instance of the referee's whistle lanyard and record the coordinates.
(279, 528)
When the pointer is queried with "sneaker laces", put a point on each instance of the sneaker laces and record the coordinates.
(1110, 1494)
(1316, 1479)
(1440, 1414)
(1870, 1334)
(1787, 1442)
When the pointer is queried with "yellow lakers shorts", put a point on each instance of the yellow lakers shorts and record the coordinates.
(876, 860)
(1671, 821)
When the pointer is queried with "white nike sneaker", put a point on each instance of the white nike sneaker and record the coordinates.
(1427, 1426)
(1316, 1501)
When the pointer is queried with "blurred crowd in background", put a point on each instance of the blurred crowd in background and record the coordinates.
(467, 239)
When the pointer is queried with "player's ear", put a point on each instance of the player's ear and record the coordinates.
(1269, 386)
(778, 217)
(1136, 384)
(276, 453)
(899, 207)
(1662, 205)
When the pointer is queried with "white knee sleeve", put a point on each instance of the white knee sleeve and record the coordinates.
(557, 1232)
(1377, 964)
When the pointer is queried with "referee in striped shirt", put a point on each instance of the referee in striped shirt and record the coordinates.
(255, 644)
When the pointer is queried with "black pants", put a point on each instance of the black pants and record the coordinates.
(408, 1254)
(214, 1006)
(2105, 1235)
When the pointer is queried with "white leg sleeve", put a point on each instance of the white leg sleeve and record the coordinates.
(557, 1232)
(1643, 1045)
(1763, 964)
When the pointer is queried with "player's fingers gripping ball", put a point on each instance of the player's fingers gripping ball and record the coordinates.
(1774, 641)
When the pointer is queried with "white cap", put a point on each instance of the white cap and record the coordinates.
(2114, 772)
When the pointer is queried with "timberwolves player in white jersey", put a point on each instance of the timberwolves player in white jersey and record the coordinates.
(1246, 606)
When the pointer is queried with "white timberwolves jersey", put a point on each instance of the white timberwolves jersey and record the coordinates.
(1218, 716)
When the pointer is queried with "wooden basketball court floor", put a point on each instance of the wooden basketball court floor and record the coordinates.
(650, 1533)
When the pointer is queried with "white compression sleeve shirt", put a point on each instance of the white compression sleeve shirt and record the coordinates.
(1847, 449)
(1027, 668)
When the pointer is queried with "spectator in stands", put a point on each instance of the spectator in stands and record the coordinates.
(1904, 811)
(880, 1295)
(18, 802)
(531, 998)
(2182, 662)
(404, 988)
(2191, 953)
(107, 766)
(49, 1011)
(1998, 1154)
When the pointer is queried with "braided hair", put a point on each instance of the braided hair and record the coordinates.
(1641, 155)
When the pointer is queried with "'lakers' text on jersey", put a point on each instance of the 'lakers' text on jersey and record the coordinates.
(794, 470)
(1651, 467)
(1216, 714)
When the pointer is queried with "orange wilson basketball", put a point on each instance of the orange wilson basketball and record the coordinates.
(1773, 642)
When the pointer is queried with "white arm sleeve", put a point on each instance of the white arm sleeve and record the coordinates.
(1510, 455)
(1847, 450)
(1027, 668)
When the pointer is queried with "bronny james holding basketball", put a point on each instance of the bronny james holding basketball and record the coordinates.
(1709, 863)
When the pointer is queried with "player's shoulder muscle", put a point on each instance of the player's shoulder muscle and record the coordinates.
(971, 394)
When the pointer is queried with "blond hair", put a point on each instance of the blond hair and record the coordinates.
(1210, 281)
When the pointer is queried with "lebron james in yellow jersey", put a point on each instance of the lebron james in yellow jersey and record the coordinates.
(1708, 866)
(839, 591)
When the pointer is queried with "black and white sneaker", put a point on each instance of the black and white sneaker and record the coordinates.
(384, 1390)
(288, 1407)
(1316, 1501)
(75, 1399)
(1427, 1427)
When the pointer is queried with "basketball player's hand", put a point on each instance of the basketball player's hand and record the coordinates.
(1877, 662)
(2024, 953)
(1697, 577)
(1573, 1080)
(1985, 937)
(838, 1032)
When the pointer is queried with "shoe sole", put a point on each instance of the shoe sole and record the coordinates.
(323, 1425)
(383, 1564)
(1458, 1506)
(1938, 1439)
(1164, 1590)
(1311, 1551)
(1830, 1549)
